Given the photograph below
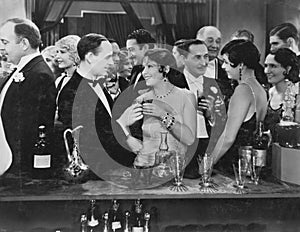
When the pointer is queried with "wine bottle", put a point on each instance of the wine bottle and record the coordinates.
(41, 156)
(93, 221)
(147, 219)
(260, 146)
(83, 223)
(126, 224)
(115, 217)
(105, 219)
(137, 216)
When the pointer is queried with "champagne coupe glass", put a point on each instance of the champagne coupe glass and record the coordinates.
(240, 173)
(205, 170)
(178, 165)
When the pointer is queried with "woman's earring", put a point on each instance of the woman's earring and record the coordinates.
(240, 72)
(165, 79)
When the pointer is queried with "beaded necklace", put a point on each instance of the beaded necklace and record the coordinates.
(165, 95)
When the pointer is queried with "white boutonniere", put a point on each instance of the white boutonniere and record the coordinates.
(214, 89)
(19, 77)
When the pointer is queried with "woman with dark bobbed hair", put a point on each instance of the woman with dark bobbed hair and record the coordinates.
(170, 109)
(248, 104)
(282, 70)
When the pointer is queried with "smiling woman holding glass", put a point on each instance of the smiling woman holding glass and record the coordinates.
(166, 108)
(248, 104)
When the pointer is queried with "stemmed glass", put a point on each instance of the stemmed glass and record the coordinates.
(240, 173)
(178, 165)
(205, 169)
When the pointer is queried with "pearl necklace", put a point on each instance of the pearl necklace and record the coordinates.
(165, 95)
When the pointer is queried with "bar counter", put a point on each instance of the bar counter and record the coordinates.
(53, 190)
(52, 205)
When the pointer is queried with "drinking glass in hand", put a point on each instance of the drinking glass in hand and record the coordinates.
(147, 101)
(200, 97)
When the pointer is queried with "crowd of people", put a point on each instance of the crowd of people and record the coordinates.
(206, 100)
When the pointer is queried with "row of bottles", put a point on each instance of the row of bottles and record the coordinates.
(255, 152)
(136, 220)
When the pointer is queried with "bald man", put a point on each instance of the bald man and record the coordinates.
(213, 38)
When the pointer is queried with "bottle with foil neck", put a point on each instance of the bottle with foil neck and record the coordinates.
(115, 217)
(41, 156)
(137, 216)
(83, 223)
(92, 215)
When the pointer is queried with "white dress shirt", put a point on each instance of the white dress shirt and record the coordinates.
(6, 154)
(211, 69)
(194, 85)
(99, 91)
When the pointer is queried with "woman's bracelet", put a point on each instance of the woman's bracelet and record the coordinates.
(168, 120)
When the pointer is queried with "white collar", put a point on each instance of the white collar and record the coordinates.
(191, 78)
(81, 73)
(26, 59)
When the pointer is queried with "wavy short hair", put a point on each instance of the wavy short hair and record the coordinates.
(161, 56)
(287, 58)
(70, 43)
(242, 51)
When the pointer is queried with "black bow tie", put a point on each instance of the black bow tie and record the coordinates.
(95, 82)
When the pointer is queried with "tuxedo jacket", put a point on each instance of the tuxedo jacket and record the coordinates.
(209, 88)
(26, 106)
(102, 147)
(136, 71)
(65, 100)
(129, 95)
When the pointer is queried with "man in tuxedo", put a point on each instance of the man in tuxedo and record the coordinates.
(213, 38)
(195, 58)
(28, 96)
(103, 148)
(138, 42)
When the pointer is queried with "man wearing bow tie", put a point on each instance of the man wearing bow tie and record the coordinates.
(92, 109)
(27, 98)
(194, 54)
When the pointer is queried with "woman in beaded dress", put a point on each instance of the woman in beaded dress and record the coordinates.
(248, 104)
(282, 69)
(172, 110)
